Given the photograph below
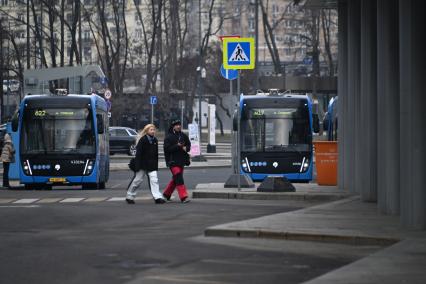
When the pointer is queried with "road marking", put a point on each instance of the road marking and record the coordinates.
(49, 200)
(6, 200)
(116, 199)
(71, 200)
(95, 199)
(116, 185)
(25, 201)
(19, 206)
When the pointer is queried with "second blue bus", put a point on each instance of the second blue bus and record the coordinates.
(276, 136)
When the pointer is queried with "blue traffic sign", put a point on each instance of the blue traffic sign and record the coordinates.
(153, 100)
(229, 74)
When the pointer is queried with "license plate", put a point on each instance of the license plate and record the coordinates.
(57, 179)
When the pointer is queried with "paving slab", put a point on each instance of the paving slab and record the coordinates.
(350, 221)
(304, 192)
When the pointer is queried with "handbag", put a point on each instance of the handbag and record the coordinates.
(187, 159)
(132, 164)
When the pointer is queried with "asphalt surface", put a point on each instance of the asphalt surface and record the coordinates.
(112, 242)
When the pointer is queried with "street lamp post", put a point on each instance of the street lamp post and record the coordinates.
(201, 75)
(201, 72)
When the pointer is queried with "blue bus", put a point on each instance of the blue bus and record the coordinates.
(63, 140)
(330, 120)
(276, 136)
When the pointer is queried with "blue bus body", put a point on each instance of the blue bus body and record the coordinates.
(62, 140)
(330, 120)
(276, 137)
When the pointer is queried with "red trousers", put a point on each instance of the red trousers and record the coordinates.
(176, 182)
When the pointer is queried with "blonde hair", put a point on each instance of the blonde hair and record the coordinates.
(144, 131)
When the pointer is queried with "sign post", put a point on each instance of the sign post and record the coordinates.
(181, 106)
(238, 53)
(153, 101)
(211, 146)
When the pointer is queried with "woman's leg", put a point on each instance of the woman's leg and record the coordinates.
(153, 185)
(136, 182)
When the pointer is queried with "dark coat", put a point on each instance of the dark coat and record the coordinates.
(146, 154)
(175, 155)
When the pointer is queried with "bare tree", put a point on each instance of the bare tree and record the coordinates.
(270, 38)
(109, 29)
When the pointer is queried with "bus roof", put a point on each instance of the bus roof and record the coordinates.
(73, 100)
(260, 96)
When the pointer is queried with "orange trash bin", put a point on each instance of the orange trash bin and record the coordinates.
(326, 162)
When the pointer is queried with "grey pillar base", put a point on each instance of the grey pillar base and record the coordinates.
(276, 184)
(245, 181)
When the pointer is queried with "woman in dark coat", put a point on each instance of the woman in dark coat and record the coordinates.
(146, 163)
(176, 148)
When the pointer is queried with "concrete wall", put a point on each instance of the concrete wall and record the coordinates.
(382, 64)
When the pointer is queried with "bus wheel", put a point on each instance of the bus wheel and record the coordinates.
(101, 185)
(132, 150)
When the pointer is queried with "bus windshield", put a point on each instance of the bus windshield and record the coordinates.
(276, 129)
(58, 131)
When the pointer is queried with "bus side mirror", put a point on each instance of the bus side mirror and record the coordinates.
(315, 122)
(100, 124)
(15, 121)
(235, 121)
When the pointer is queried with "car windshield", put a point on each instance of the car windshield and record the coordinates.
(57, 131)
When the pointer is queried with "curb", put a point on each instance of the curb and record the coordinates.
(269, 196)
(351, 240)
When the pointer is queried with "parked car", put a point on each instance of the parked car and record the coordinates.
(122, 140)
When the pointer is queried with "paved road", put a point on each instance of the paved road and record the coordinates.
(89, 240)
(112, 242)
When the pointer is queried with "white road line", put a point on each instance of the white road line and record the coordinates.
(95, 199)
(116, 199)
(116, 185)
(71, 200)
(19, 206)
(25, 201)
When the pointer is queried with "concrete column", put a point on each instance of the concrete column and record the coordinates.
(412, 23)
(351, 119)
(367, 116)
(342, 89)
(388, 107)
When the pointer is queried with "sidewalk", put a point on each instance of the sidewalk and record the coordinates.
(348, 221)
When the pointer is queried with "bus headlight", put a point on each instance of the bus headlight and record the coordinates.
(306, 165)
(88, 169)
(27, 168)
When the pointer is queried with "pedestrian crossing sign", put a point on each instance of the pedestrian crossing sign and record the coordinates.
(238, 53)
